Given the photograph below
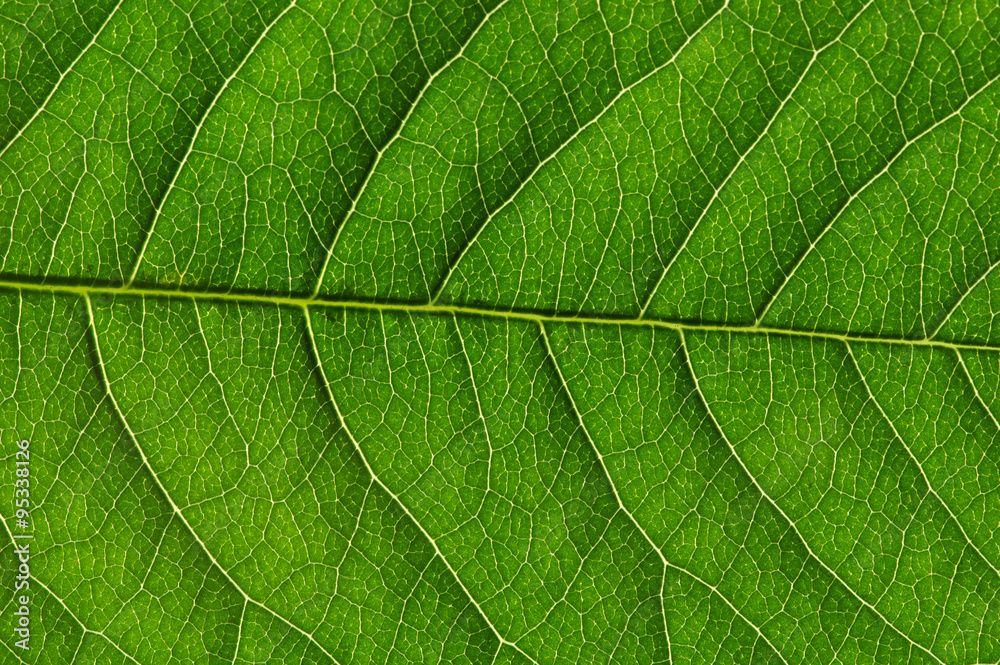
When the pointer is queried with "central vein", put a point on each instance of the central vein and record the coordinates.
(450, 310)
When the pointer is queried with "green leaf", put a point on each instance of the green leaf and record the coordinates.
(503, 331)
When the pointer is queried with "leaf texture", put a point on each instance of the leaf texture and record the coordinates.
(503, 331)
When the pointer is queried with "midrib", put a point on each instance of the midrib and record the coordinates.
(426, 308)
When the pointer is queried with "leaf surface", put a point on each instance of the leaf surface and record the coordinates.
(503, 332)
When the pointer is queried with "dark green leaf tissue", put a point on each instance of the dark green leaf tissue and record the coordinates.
(354, 332)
